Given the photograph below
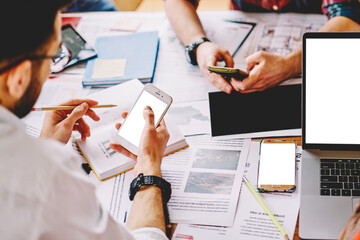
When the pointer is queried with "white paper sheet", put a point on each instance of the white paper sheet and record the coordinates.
(278, 34)
(206, 179)
(113, 195)
(193, 118)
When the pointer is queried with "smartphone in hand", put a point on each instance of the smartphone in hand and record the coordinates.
(130, 132)
(229, 73)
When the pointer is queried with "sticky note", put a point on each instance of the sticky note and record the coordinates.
(109, 68)
(127, 24)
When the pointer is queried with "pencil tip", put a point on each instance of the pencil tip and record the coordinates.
(287, 237)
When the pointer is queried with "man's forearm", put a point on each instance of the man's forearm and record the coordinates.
(147, 209)
(336, 24)
(184, 20)
(340, 24)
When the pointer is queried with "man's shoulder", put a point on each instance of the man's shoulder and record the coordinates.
(23, 149)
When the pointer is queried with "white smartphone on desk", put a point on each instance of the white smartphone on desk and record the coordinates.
(276, 170)
(130, 132)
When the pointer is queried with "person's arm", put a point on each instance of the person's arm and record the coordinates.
(59, 124)
(185, 21)
(268, 70)
(71, 192)
(147, 207)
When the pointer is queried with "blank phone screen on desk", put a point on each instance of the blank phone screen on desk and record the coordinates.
(277, 164)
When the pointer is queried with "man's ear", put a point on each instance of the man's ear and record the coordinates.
(18, 79)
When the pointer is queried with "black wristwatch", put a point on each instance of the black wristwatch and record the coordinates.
(190, 50)
(142, 180)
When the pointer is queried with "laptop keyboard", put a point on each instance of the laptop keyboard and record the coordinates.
(340, 177)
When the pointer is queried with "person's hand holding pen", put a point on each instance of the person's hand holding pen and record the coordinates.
(59, 124)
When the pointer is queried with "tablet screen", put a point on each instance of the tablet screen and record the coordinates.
(277, 108)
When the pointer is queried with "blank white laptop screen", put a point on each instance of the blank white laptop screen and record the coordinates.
(332, 112)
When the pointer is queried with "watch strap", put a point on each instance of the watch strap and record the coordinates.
(142, 180)
(190, 50)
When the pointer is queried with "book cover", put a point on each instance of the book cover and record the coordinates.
(138, 50)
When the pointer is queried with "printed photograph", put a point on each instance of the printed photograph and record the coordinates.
(216, 159)
(213, 183)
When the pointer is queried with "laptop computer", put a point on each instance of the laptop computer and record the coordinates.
(330, 184)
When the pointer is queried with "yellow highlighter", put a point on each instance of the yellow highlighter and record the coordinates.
(266, 209)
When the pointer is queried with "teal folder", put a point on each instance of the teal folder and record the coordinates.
(139, 49)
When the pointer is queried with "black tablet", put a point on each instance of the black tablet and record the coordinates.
(277, 108)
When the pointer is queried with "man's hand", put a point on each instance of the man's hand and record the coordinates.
(266, 70)
(208, 54)
(151, 148)
(60, 124)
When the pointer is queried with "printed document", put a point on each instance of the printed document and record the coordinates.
(193, 118)
(206, 180)
(114, 195)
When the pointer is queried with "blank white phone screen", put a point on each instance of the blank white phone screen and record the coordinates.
(277, 164)
(135, 122)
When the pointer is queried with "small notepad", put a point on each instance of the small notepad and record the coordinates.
(109, 68)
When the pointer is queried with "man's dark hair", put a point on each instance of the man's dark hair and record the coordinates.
(26, 25)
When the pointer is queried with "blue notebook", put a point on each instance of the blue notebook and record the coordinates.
(140, 51)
